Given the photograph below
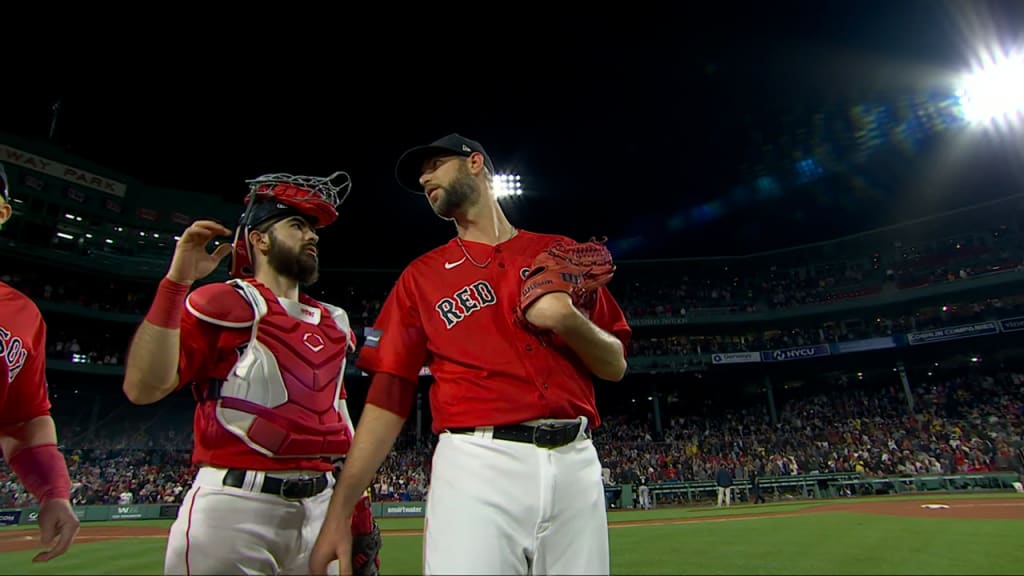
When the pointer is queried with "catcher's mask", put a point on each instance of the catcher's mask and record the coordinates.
(277, 196)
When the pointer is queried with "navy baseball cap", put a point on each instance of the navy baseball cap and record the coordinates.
(410, 165)
(4, 191)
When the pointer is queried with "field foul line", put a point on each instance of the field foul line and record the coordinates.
(998, 504)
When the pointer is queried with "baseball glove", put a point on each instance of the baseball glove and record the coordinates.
(577, 269)
(365, 541)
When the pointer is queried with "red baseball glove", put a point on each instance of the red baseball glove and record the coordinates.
(577, 269)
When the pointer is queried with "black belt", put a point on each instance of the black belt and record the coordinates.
(542, 435)
(287, 488)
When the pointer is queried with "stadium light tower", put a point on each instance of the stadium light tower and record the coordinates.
(994, 92)
(506, 185)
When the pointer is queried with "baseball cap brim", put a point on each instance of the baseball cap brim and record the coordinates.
(410, 165)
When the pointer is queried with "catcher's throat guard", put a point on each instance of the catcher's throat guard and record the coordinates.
(315, 198)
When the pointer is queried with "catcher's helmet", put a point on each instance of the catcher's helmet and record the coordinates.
(277, 196)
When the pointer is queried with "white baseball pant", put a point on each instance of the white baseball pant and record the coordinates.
(226, 530)
(503, 507)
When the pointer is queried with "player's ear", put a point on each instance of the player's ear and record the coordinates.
(260, 241)
(476, 163)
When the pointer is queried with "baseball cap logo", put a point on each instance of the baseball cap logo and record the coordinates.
(466, 148)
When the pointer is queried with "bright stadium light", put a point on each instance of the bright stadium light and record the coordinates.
(507, 185)
(995, 91)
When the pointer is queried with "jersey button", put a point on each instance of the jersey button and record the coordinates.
(529, 347)
(501, 264)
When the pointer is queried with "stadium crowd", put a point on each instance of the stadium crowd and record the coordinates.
(969, 424)
(107, 348)
(762, 284)
(966, 424)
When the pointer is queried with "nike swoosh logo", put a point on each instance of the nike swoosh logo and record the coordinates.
(450, 265)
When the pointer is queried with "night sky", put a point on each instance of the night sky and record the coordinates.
(677, 130)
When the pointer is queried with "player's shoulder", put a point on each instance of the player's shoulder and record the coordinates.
(222, 304)
(432, 257)
(535, 242)
(427, 264)
(15, 300)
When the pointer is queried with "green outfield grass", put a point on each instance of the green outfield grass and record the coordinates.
(826, 543)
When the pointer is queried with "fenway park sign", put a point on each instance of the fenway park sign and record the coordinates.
(63, 171)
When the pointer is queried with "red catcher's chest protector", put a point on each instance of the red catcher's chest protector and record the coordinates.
(280, 398)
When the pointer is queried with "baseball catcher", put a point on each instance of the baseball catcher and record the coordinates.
(266, 364)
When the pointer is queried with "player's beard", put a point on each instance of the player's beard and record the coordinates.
(294, 263)
(458, 195)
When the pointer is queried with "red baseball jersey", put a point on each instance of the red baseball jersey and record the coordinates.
(208, 353)
(23, 391)
(458, 317)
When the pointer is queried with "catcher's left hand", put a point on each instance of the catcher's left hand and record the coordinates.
(576, 269)
(366, 541)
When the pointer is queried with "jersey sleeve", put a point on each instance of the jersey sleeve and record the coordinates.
(28, 394)
(397, 343)
(608, 316)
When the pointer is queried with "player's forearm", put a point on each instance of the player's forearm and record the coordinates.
(151, 368)
(374, 437)
(35, 432)
(31, 451)
(600, 351)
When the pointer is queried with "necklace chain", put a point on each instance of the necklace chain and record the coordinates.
(493, 250)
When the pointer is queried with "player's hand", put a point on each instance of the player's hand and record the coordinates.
(551, 311)
(191, 260)
(334, 544)
(58, 526)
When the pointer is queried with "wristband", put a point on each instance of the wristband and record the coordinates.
(168, 304)
(42, 471)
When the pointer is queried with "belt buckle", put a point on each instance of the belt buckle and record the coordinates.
(301, 482)
(550, 428)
